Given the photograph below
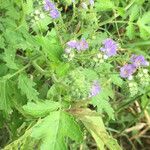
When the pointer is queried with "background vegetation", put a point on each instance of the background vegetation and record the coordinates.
(44, 91)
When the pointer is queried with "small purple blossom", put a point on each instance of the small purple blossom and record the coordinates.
(82, 45)
(72, 44)
(91, 2)
(79, 45)
(54, 13)
(139, 60)
(127, 70)
(49, 5)
(95, 89)
(110, 47)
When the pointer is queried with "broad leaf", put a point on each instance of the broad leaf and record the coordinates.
(50, 45)
(2, 42)
(5, 100)
(115, 78)
(104, 5)
(144, 26)
(9, 58)
(40, 108)
(134, 13)
(64, 69)
(95, 126)
(53, 130)
(27, 87)
(130, 31)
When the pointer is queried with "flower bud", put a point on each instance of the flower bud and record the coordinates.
(42, 16)
(37, 12)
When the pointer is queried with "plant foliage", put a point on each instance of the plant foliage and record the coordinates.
(74, 74)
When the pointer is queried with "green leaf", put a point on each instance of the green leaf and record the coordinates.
(27, 87)
(2, 42)
(5, 101)
(3, 70)
(139, 2)
(9, 58)
(104, 68)
(144, 26)
(130, 31)
(90, 74)
(134, 13)
(51, 45)
(28, 6)
(64, 69)
(102, 102)
(115, 78)
(121, 11)
(53, 130)
(104, 5)
(95, 126)
(40, 108)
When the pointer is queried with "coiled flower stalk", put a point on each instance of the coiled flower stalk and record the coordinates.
(133, 88)
(80, 87)
(143, 77)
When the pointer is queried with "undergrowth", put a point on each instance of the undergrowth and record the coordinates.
(74, 74)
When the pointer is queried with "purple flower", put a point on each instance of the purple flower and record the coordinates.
(91, 2)
(49, 5)
(82, 45)
(54, 13)
(110, 47)
(95, 89)
(127, 70)
(72, 44)
(139, 60)
(79, 45)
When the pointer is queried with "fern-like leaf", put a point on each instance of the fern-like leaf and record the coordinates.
(102, 102)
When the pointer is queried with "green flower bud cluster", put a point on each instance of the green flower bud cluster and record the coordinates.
(78, 85)
(143, 77)
(37, 15)
(98, 59)
(95, 61)
(133, 88)
(69, 56)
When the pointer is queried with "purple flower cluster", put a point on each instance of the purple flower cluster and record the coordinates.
(78, 45)
(109, 47)
(139, 60)
(82, 45)
(127, 70)
(95, 90)
(49, 6)
(72, 44)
